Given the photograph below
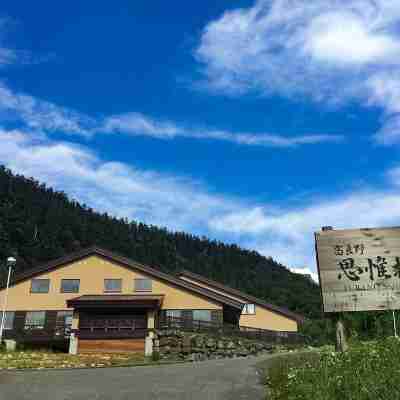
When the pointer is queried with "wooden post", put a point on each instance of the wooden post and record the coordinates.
(341, 339)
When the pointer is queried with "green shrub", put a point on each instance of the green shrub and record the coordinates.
(369, 371)
(155, 356)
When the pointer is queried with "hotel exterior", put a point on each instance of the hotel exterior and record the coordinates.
(99, 301)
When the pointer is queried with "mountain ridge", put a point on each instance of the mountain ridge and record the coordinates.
(39, 224)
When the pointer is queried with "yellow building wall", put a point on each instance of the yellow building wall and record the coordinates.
(266, 319)
(92, 271)
(262, 319)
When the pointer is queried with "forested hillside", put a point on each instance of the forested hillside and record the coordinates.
(38, 224)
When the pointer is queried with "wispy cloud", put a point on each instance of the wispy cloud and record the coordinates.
(180, 203)
(139, 124)
(9, 55)
(288, 233)
(42, 115)
(122, 190)
(332, 52)
(45, 116)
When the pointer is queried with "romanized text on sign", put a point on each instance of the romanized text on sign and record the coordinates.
(359, 269)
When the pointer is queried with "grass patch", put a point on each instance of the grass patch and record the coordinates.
(45, 359)
(368, 371)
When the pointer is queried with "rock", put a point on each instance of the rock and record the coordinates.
(210, 343)
(179, 345)
(199, 350)
(254, 350)
(242, 352)
(164, 341)
(194, 357)
(166, 349)
(173, 342)
(230, 345)
(198, 341)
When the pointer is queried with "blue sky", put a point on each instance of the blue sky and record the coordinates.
(256, 122)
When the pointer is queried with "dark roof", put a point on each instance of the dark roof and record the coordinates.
(128, 300)
(246, 297)
(126, 262)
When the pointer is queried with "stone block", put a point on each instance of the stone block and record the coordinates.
(211, 343)
(230, 345)
(164, 341)
(220, 344)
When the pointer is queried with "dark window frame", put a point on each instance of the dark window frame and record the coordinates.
(245, 310)
(62, 290)
(135, 289)
(6, 327)
(170, 313)
(30, 326)
(40, 279)
(113, 290)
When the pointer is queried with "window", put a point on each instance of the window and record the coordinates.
(202, 315)
(40, 285)
(64, 323)
(174, 318)
(112, 285)
(174, 313)
(35, 319)
(143, 285)
(9, 319)
(249, 309)
(70, 285)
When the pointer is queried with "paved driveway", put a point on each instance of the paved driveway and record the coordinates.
(209, 380)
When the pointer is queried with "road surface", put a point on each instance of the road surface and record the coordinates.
(230, 379)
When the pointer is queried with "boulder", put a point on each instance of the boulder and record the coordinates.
(198, 341)
(211, 343)
(242, 352)
(164, 341)
(166, 349)
(230, 345)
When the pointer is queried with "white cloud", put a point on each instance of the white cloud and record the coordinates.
(42, 115)
(139, 124)
(348, 38)
(288, 234)
(114, 187)
(306, 271)
(45, 116)
(9, 55)
(183, 204)
(331, 51)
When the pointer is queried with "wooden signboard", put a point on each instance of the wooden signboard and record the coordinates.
(359, 269)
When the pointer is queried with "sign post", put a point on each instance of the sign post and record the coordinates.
(394, 324)
(359, 270)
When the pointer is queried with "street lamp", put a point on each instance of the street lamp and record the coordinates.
(11, 261)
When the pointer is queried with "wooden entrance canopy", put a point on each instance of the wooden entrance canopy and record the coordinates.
(116, 301)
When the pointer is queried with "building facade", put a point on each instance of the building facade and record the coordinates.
(97, 301)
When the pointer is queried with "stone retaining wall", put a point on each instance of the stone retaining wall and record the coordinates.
(200, 346)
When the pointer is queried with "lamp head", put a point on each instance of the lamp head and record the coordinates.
(11, 261)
